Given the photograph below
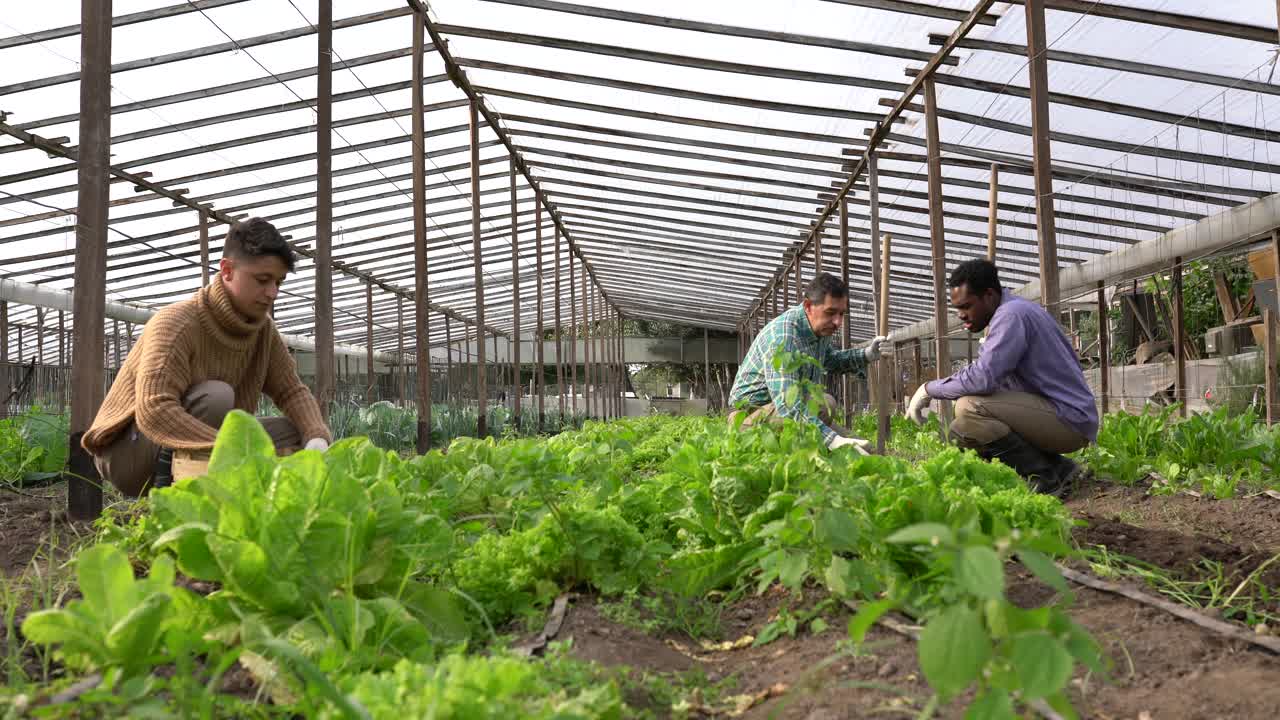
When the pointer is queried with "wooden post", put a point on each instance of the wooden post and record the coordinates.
(62, 364)
(622, 361)
(515, 290)
(846, 335)
(586, 347)
(559, 347)
(1104, 348)
(993, 218)
(368, 356)
(1037, 70)
(482, 410)
(404, 370)
(1179, 341)
(89, 294)
(573, 338)
(937, 234)
(40, 335)
(706, 364)
(884, 377)
(540, 344)
(817, 253)
(326, 384)
(1269, 319)
(448, 358)
(799, 288)
(421, 286)
(204, 248)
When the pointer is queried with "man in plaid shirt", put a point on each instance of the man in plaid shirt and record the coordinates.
(804, 329)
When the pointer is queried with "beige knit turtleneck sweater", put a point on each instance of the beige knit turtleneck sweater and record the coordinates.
(189, 342)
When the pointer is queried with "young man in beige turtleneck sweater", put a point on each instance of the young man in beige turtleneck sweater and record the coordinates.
(199, 359)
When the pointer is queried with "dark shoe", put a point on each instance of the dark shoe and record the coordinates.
(162, 476)
(1070, 473)
(1034, 465)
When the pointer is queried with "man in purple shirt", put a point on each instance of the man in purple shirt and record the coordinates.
(1025, 399)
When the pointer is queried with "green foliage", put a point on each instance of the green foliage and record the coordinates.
(33, 447)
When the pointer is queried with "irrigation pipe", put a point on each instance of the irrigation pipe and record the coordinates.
(1217, 626)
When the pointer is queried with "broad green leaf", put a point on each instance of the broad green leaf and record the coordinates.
(438, 610)
(994, 704)
(106, 581)
(244, 565)
(194, 558)
(693, 574)
(134, 638)
(868, 614)
(923, 534)
(953, 649)
(838, 530)
(1040, 662)
(837, 576)
(240, 438)
(980, 572)
(1043, 568)
(56, 626)
(793, 569)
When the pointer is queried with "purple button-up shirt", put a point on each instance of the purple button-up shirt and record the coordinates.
(1026, 351)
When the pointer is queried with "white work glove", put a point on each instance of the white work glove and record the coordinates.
(918, 408)
(872, 352)
(858, 444)
(317, 444)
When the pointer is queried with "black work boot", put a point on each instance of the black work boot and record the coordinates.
(1036, 467)
(162, 475)
(1070, 473)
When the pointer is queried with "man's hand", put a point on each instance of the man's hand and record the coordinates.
(918, 408)
(872, 352)
(317, 444)
(858, 444)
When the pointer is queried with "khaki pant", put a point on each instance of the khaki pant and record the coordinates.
(982, 419)
(130, 460)
(769, 414)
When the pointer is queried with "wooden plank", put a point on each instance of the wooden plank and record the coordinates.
(1119, 65)
(650, 89)
(915, 8)
(448, 343)
(588, 377)
(326, 383)
(515, 297)
(1179, 341)
(670, 58)
(1038, 73)
(204, 249)
(724, 30)
(1269, 334)
(1226, 301)
(1178, 21)
(1142, 320)
(192, 53)
(400, 358)
(846, 333)
(885, 376)
(44, 36)
(422, 327)
(482, 410)
(89, 295)
(368, 343)
(574, 335)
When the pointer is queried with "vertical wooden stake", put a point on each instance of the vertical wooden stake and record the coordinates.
(1179, 341)
(846, 334)
(62, 364)
(404, 370)
(573, 338)
(515, 293)
(937, 234)
(586, 347)
(1104, 348)
(559, 346)
(448, 359)
(421, 292)
(799, 288)
(368, 351)
(482, 391)
(540, 346)
(884, 377)
(326, 384)
(1269, 318)
(993, 208)
(89, 295)
(1038, 74)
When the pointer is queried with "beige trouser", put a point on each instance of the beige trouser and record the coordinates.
(982, 419)
(130, 460)
(769, 414)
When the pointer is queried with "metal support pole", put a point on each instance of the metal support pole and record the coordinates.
(1104, 348)
(421, 292)
(204, 249)
(326, 384)
(482, 410)
(559, 346)
(89, 295)
(540, 375)
(993, 218)
(937, 234)
(1037, 70)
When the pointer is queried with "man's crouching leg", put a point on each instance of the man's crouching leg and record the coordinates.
(1012, 427)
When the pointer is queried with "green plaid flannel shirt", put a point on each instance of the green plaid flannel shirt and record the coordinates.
(759, 384)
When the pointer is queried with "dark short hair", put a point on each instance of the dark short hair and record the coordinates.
(254, 238)
(979, 275)
(825, 285)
